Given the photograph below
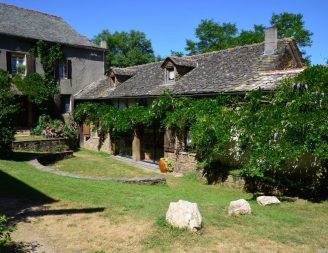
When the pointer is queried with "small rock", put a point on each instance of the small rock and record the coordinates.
(184, 214)
(267, 200)
(240, 206)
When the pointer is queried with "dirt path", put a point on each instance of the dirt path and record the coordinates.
(62, 228)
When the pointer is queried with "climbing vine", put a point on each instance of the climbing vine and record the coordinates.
(270, 134)
(38, 88)
(50, 56)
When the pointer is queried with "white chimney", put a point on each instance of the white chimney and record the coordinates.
(271, 40)
(103, 44)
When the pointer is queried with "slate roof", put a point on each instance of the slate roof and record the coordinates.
(234, 70)
(30, 24)
(96, 90)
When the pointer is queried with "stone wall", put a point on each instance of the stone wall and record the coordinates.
(182, 161)
(93, 142)
(234, 181)
(49, 145)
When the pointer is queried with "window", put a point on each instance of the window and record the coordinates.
(65, 70)
(170, 75)
(17, 64)
(65, 103)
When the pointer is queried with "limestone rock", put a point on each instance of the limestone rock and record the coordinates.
(267, 200)
(240, 206)
(184, 214)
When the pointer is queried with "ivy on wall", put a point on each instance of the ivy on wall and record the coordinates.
(38, 88)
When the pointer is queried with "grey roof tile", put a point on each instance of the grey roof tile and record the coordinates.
(96, 90)
(16, 21)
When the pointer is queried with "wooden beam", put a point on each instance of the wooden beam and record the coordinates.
(136, 146)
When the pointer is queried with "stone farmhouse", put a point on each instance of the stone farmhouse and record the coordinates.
(21, 28)
(231, 71)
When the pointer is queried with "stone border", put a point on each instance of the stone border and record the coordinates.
(46, 145)
(143, 180)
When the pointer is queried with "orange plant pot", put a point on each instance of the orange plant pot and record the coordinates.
(162, 166)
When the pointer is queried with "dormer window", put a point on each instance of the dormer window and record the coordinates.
(175, 68)
(120, 75)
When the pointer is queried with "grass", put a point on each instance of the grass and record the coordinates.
(91, 163)
(299, 226)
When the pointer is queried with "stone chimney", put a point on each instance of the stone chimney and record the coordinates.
(271, 40)
(103, 44)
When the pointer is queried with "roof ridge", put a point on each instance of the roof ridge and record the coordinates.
(190, 57)
(33, 11)
(136, 66)
(235, 48)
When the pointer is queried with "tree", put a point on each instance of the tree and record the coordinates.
(292, 25)
(247, 37)
(212, 36)
(8, 109)
(126, 48)
(177, 53)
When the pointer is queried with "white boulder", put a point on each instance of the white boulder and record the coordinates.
(240, 206)
(267, 200)
(184, 214)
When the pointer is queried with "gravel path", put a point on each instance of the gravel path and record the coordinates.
(131, 180)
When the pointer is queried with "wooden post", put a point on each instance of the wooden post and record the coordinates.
(136, 146)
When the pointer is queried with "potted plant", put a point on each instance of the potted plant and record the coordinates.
(165, 165)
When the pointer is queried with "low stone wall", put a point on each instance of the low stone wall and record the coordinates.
(183, 161)
(48, 145)
(54, 157)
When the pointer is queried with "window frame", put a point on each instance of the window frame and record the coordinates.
(14, 55)
(63, 106)
(168, 71)
(65, 70)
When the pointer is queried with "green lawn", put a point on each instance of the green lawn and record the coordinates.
(299, 226)
(91, 163)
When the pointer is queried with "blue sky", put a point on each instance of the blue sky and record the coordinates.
(169, 23)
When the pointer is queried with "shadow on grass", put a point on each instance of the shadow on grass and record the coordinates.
(23, 156)
(17, 200)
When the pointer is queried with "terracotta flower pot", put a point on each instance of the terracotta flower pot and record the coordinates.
(162, 166)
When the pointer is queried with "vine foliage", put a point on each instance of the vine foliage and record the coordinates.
(40, 89)
(8, 110)
(278, 139)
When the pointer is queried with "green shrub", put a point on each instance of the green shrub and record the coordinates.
(5, 232)
(8, 109)
(288, 130)
(38, 89)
